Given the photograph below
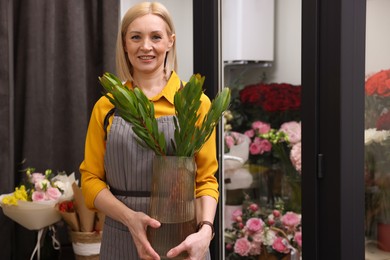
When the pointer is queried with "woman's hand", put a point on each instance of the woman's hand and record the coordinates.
(136, 222)
(196, 244)
(137, 225)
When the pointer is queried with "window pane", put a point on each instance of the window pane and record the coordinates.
(377, 131)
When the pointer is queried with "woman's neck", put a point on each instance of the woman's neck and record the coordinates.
(151, 85)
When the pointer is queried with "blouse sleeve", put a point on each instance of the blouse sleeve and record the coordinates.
(206, 160)
(92, 167)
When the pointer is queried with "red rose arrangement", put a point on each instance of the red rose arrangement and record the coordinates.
(274, 103)
(66, 206)
(272, 97)
(379, 84)
(377, 89)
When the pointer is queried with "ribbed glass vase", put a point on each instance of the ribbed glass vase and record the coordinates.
(172, 202)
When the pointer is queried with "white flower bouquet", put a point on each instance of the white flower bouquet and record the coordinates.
(32, 204)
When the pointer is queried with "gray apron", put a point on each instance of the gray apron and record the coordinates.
(128, 167)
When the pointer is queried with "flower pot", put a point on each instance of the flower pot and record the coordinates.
(172, 202)
(86, 245)
(383, 236)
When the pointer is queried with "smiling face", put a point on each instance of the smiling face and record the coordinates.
(146, 43)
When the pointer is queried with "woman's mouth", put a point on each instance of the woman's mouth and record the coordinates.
(144, 57)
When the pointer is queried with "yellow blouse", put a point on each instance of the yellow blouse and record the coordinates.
(92, 168)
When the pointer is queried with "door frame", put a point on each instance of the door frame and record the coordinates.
(207, 63)
(333, 60)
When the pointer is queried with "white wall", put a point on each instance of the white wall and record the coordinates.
(377, 36)
(286, 66)
(181, 11)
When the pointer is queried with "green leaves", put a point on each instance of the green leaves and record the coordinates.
(189, 137)
(190, 134)
(134, 107)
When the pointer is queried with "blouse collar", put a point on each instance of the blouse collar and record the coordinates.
(168, 91)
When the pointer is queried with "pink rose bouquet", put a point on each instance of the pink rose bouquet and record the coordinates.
(37, 187)
(255, 232)
(269, 146)
(32, 203)
(231, 139)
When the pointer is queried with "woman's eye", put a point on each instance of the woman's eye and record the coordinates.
(156, 37)
(135, 37)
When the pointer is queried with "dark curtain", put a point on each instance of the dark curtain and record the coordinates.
(6, 123)
(51, 54)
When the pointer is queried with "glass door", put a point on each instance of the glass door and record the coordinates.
(377, 131)
(262, 130)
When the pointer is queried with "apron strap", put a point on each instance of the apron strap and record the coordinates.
(130, 193)
(106, 121)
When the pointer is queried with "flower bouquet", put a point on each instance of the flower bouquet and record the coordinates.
(32, 203)
(258, 234)
(259, 111)
(84, 225)
(279, 150)
(269, 146)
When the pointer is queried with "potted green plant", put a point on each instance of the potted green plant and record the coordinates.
(172, 200)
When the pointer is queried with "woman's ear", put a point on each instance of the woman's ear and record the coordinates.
(172, 40)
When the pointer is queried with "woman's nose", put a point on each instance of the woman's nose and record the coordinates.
(146, 45)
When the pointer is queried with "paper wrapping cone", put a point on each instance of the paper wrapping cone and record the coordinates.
(99, 221)
(71, 219)
(86, 216)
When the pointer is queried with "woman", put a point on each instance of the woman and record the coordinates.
(116, 171)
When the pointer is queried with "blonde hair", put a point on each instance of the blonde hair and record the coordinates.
(123, 65)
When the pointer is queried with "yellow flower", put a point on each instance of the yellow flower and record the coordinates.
(20, 193)
(10, 200)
